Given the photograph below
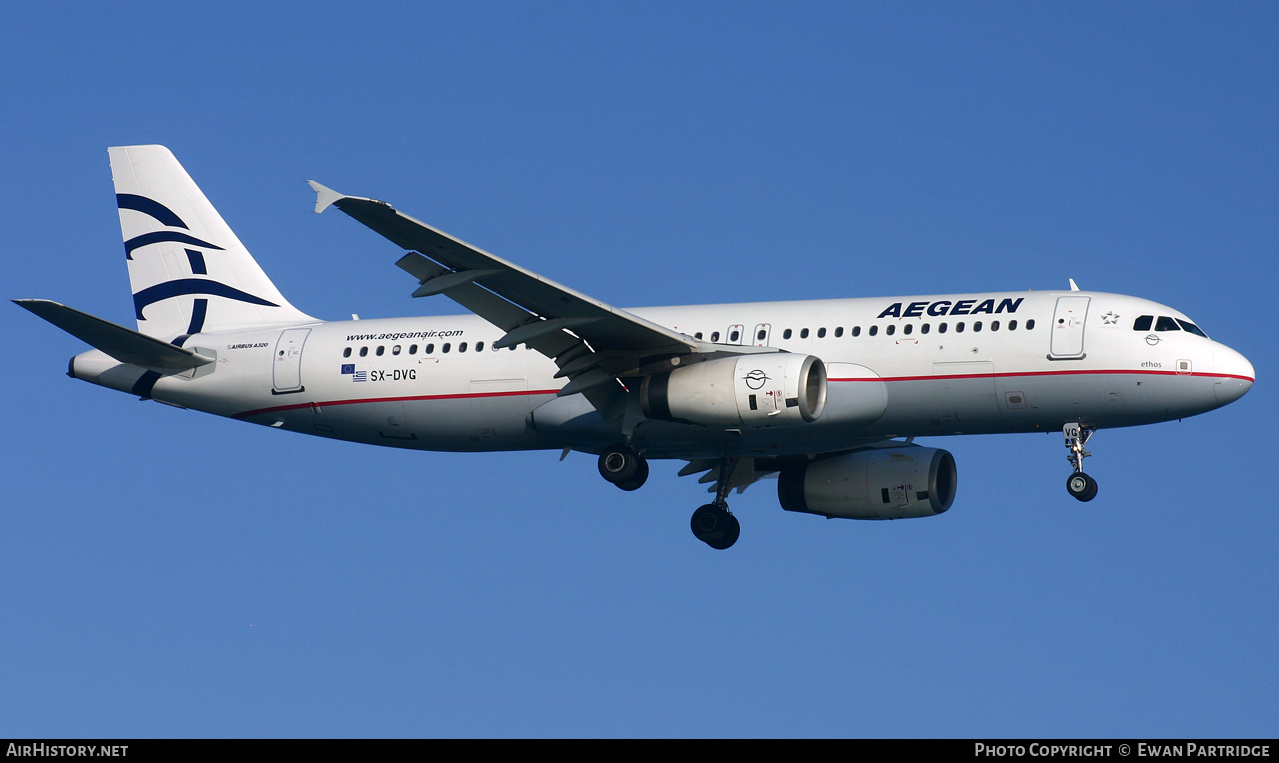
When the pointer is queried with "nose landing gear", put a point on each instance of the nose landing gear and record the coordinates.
(1079, 485)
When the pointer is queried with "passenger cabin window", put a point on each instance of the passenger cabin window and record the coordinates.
(839, 331)
(821, 333)
(803, 333)
(786, 334)
(346, 353)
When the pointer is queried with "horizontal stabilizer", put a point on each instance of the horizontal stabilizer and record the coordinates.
(125, 345)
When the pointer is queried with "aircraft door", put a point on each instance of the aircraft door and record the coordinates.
(966, 396)
(762, 332)
(286, 371)
(1068, 328)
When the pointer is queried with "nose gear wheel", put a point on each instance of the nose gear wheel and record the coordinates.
(1079, 485)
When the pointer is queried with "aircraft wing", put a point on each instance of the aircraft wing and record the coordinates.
(593, 343)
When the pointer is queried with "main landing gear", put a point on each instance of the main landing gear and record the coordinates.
(1079, 485)
(624, 467)
(713, 524)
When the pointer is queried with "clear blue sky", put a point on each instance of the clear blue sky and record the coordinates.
(168, 573)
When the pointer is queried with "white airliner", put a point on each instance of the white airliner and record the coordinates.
(828, 396)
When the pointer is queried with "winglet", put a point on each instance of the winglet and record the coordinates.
(324, 196)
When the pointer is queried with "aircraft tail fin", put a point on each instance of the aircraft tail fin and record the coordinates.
(188, 271)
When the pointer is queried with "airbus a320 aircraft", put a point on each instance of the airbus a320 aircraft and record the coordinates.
(828, 396)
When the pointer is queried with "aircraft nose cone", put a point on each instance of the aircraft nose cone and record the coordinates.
(1234, 373)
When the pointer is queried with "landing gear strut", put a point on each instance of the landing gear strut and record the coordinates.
(623, 467)
(1079, 485)
(713, 524)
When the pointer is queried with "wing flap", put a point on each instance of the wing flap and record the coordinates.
(746, 472)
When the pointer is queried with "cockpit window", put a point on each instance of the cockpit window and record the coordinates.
(1166, 324)
(1143, 323)
(1192, 328)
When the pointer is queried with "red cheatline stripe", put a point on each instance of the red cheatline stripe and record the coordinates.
(1037, 373)
(464, 395)
(325, 404)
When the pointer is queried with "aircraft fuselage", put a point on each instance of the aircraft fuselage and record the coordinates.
(897, 367)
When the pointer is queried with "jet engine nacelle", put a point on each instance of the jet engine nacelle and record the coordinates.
(766, 390)
(880, 483)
